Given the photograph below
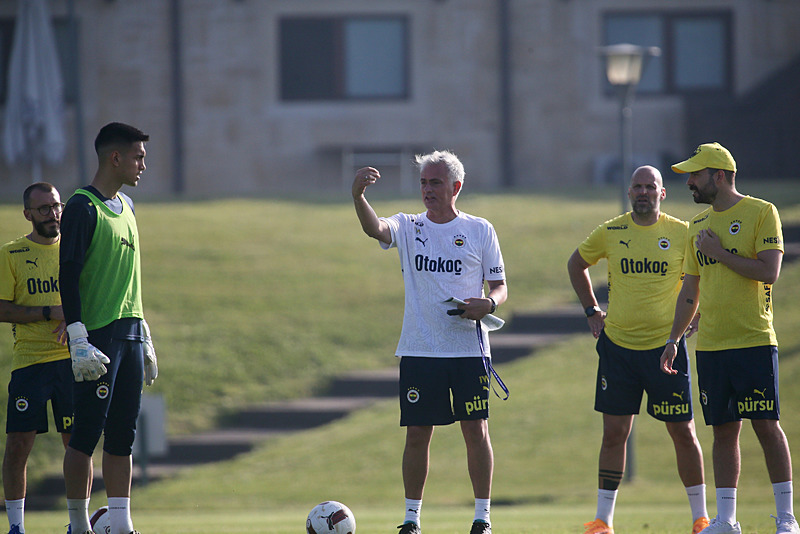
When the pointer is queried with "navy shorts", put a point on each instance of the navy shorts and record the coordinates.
(109, 406)
(28, 392)
(427, 386)
(623, 375)
(738, 384)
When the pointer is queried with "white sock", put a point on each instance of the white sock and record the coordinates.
(697, 501)
(482, 508)
(606, 500)
(78, 514)
(16, 513)
(119, 513)
(726, 505)
(783, 498)
(413, 508)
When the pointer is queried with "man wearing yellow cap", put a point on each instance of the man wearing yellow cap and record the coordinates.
(734, 255)
(644, 250)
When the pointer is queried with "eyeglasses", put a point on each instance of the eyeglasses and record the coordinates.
(58, 207)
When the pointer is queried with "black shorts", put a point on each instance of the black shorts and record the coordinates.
(738, 384)
(28, 392)
(109, 406)
(623, 375)
(426, 386)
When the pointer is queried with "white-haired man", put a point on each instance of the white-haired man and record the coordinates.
(444, 253)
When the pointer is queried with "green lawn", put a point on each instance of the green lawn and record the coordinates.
(256, 300)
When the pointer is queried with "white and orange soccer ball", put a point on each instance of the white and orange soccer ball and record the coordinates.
(331, 517)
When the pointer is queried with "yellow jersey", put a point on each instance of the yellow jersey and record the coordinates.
(645, 270)
(29, 277)
(735, 312)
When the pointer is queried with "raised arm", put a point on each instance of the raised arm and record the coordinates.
(370, 223)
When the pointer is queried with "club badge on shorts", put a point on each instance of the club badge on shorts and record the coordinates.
(102, 390)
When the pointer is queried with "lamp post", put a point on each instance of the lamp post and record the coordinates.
(624, 65)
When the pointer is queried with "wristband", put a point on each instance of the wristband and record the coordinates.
(673, 342)
(46, 312)
(494, 305)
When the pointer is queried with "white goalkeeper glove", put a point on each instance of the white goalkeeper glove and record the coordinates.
(87, 360)
(150, 360)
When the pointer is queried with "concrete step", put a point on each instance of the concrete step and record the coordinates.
(365, 384)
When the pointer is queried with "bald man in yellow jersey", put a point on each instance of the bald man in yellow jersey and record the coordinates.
(644, 249)
(734, 255)
(41, 370)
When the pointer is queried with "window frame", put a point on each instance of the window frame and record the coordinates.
(338, 29)
(668, 21)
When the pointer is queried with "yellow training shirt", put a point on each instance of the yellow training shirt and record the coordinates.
(735, 312)
(29, 277)
(645, 266)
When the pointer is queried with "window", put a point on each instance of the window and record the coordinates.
(61, 31)
(6, 39)
(344, 58)
(696, 51)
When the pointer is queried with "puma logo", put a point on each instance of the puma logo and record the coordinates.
(626, 243)
(763, 393)
(679, 395)
(32, 262)
(424, 242)
(127, 243)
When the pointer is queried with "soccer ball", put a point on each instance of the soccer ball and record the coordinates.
(100, 521)
(331, 517)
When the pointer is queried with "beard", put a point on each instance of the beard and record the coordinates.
(706, 195)
(46, 229)
(643, 208)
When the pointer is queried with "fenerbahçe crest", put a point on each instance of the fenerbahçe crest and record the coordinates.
(21, 404)
(102, 390)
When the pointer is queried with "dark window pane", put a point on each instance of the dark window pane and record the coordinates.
(340, 58)
(6, 39)
(66, 59)
(695, 48)
(308, 59)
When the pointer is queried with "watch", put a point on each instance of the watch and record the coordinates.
(591, 310)
(494, 305)
(46, 312)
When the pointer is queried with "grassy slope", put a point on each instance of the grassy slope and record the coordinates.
(252, 300)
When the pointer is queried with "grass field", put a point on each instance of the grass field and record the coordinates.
(256, 300)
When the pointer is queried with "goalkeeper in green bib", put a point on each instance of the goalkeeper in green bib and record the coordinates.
(109, 341)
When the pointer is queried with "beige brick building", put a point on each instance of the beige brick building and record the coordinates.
(248, 97)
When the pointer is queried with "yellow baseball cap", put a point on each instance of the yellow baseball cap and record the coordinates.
(707, 156)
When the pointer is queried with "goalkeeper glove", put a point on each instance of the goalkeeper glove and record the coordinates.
(150, 360)
(87, 360)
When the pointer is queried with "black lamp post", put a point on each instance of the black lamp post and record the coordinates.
(624, 65)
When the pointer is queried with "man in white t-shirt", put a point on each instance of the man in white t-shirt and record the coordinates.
(444, 253)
